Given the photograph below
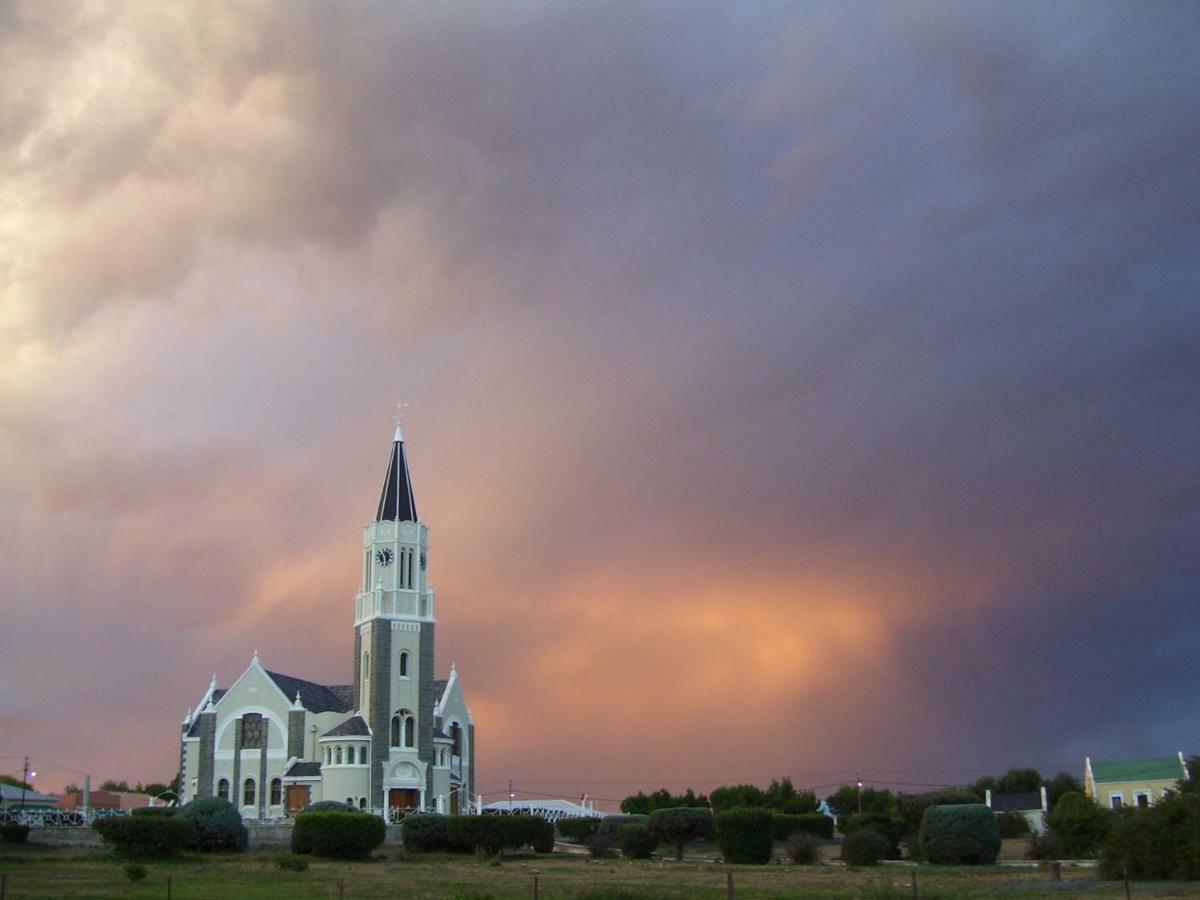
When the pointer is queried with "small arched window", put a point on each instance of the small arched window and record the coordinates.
(276, 791)
(410, 731)
(395, 742)
(366, 672)
(350, 801)
(223, 788)
(248, 793)
(404, 665)
(362, 803)
(337, 755)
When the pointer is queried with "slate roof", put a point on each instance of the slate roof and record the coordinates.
(1024, 801)
(303, 770)
(316, 697)
(396, 502)
(355, 726)
(10, 793)
(1168, 769)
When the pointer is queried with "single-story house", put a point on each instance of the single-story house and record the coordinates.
(1138, 782)
(1031, 804)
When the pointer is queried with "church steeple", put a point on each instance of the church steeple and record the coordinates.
(396, 503)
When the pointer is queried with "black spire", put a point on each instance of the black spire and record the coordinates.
(396, 503)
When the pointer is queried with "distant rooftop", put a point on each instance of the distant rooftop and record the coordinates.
(1167, 769)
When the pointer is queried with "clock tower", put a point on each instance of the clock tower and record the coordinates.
(393, 643)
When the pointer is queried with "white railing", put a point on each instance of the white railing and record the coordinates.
(57, 818)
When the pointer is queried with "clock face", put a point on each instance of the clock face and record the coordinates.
(423, 560)
(384, 557)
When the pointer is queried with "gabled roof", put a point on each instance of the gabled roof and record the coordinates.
(315, 697)
(1024, 801)
(303, 770)
(10, 793)
(439, 687)
(1167, 769)
(396, 503)
(355, 726)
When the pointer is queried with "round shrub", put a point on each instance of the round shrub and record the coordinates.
(636, 841)
(425, 833)
(681, 825)
(337, 835)
(155, 811)
(745, 836)
(803, 848)
(1079, 825)
(1012, 825)
(961, 834)
(146, 837)
(12, 833)
(578, 830)
(219, 827)
(865, 847)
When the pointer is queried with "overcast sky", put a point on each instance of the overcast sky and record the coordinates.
(796, 388)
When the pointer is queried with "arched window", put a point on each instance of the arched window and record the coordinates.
(276, 791)
(395, 742)
(350, 802)
(456, 736)
(248, 793)
(366, 672)
(337, 755)
(410, 731)
(328, 756)
(403, 665)
(223, 788)
(362, 803)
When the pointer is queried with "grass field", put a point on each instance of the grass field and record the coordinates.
(31, 871)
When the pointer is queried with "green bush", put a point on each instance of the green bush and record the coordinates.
(578, 830)
(134, 871)
(491, 834)
(330, 806)
(961, 834)
(155, 811)
(784, 825)
(425, 833)
(1155, 844)
(543, 836)
(146, 837)
(636, 841)
(1045, 846)
(680, 826)
(865, 847)
(337, 835)
(219, 827)
(1012, 824)
(803, 848)
(291, 862)
(745, 835)
(609, 824)
(13, 833)
(1079, 825)
(602, 845)
(911, 807)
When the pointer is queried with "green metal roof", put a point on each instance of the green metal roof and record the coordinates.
(1138, 770)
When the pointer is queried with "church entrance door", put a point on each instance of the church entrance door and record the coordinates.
(297, 798)
(404, 798)
(454, 803)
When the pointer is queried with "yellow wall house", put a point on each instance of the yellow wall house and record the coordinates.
(1139, 782)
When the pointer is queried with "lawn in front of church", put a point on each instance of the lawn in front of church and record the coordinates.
(31, 871)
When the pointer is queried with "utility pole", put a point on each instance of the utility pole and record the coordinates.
(859, 774)
(24, 778)
(510, 796)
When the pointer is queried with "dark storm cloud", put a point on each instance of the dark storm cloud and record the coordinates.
(876, 322)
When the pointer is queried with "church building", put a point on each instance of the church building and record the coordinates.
(397, 738)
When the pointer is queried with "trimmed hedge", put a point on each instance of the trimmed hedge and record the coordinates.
(160, 812)
(783, 825)
(962, 834)
(337, 835)
(681, 825)
(12, 833)
(745, 835)
(329, 806)
(493, 833)
(1079, 825)
(865, 847)
(219, 827)
(543, 836)
(636, 841)
(578, 830)
(425, 833)
(146, 837)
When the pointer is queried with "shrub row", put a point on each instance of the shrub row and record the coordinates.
(146, 837)
(338, 835)
(1159, 843)
(578, 830)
